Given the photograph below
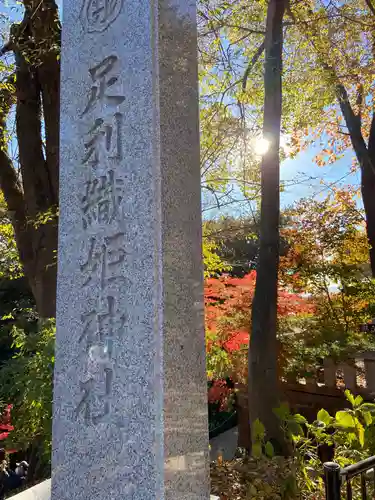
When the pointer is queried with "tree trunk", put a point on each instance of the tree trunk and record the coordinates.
(366, 158)
(368, 193)
(263, 378)
(33, 203)
(368, 198)
(365, 153)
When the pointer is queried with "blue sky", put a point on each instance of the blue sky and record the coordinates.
(337, 175)
(302, 178)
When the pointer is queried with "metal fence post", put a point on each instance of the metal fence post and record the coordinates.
(332, 480)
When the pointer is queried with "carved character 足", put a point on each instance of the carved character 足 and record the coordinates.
(101, 82)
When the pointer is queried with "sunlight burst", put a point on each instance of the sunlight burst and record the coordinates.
(261, 146)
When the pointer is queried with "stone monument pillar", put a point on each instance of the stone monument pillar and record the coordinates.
(130, 416)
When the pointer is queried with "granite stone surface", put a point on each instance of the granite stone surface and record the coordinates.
(42, 491)
(130, 416)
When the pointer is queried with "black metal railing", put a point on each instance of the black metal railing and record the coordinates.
(335, 477)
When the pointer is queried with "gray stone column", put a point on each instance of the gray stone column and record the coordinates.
(130, 415)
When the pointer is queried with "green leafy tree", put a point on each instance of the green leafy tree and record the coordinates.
(349, 434)
(237, 241)
(328, 78)
(26, 382)
(339, 38)
(10, 266)
(328, 258)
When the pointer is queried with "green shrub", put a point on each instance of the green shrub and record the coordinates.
(26, 383)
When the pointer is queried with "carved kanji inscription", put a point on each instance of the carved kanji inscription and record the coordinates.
(104, 260)
(102, 200)
(103, 77)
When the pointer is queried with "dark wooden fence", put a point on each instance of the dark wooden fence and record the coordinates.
(325, 389)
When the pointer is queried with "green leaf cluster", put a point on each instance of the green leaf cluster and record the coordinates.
(26, 382)
(350, 433)
(260, 445)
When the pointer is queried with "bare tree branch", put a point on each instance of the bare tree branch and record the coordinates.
(20, 29)
(252, 63)
(370, 6)
(5, 48)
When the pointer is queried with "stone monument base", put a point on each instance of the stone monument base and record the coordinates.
(42, 491)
